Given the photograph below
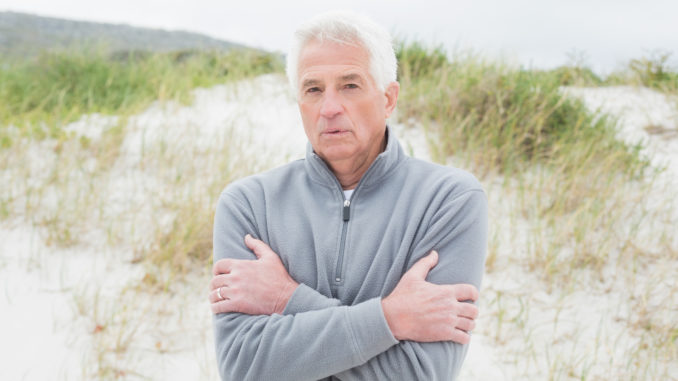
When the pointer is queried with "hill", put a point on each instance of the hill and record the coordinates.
(25, 35)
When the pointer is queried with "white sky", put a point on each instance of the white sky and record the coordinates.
(538, 33)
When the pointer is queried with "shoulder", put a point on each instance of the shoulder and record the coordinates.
(448, 180)
(253, 187)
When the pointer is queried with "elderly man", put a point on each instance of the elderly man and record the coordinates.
(354, 263)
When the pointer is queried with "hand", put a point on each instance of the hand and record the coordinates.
(254, 287)
(420, 311)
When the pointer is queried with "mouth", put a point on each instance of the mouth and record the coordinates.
(335, 131)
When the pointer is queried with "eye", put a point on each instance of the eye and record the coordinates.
(312, 90)
(351, 86)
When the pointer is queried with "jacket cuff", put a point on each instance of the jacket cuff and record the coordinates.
(371, 334)
(304, 298)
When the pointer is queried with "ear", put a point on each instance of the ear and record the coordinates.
(391, 94)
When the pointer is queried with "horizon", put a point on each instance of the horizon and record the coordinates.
(531, 34)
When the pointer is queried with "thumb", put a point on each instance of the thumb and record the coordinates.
(258, 247)
(423, 266)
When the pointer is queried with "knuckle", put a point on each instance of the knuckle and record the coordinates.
(474, 311)
(218, 308)
(225, 262)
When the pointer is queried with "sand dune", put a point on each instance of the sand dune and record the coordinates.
(70, 313)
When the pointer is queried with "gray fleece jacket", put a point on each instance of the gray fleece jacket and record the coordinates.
(347, 255)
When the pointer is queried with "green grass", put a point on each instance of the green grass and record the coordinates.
(505, 118)
(65, 196)
(653, 71)
(39, 97)
(579, 193)
(562, 158)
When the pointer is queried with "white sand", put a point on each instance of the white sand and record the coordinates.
(168, 336)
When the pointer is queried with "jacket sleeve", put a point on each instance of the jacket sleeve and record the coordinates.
(316, 337)
(304, 346)
(458, 232)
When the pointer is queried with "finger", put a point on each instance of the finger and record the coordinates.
(461, 337)
(214, 294)
(258, 247)
(423, 266)
(222, 266)
(222, 307)
(468, 310)
(465, 292)
(217, 281)
(466, 324)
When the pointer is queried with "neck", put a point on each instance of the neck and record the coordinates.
(349, 171)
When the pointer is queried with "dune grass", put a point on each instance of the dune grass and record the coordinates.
(578, 190)
(582, 196)
(60, 177)
(653, 71)
(564, 160)
(39, 97)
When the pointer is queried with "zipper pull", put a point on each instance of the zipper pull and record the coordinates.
(347, 209)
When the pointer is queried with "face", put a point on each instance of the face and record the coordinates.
(343, 112)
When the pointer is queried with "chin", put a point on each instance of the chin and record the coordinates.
(336, 153)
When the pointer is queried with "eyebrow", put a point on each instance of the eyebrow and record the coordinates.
(309, 83)
(351, 77)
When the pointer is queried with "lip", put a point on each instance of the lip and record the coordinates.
(335, 132)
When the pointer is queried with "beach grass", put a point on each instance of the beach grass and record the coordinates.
(64, 193)
(653, 70)
(579, 195)
(569, 196)
(565, 161)
(38, 97)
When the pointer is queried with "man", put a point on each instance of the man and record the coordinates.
(353, 264)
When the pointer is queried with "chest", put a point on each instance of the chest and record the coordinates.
(352, 252)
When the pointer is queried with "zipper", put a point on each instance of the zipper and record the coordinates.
(346, 213)
(346, 216)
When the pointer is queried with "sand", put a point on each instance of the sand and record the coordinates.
(53, 298)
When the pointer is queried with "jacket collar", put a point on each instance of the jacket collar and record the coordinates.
(392, 156)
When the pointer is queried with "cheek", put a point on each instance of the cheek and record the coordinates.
(306, 113)
(371, 114)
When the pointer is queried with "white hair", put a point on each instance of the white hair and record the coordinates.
(350, 28)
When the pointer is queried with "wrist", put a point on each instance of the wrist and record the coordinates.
(285, 296)
(391, 319)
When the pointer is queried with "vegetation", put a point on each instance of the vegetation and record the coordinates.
(26, 36)
(37, 98)
(653, 71)
(517, 123)
(578, 194)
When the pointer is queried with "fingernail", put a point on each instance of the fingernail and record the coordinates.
(248, 237)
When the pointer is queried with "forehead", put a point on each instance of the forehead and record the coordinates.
(329, 58)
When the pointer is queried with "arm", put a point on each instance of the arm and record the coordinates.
(458, 233)
(304, 346)
(449, 233)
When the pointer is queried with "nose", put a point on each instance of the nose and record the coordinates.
(331, 105)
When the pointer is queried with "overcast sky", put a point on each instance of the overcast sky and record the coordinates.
(536, 33)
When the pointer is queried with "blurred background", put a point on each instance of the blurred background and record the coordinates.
(121, 122)
(540, 34)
